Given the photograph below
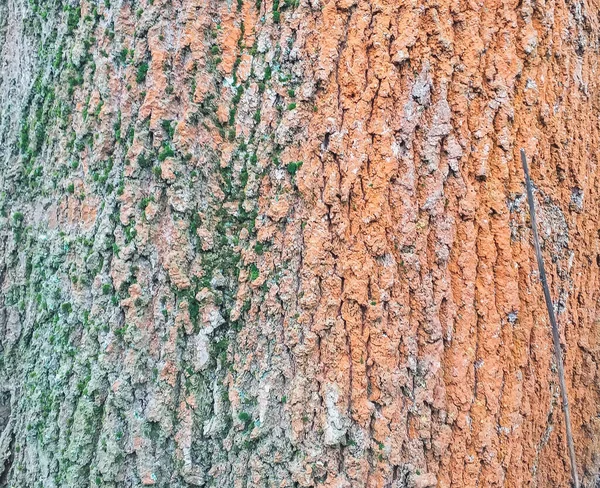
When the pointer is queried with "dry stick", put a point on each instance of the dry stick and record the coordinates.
(555, 335)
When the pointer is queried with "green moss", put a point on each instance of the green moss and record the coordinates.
(117, 127)
(254, 272)
(220, 349)
(130, 232)
(166, 152)
(143, 161)
(293, 167)
(120, 332)
(168, 127)
(194, 310)
(243, 177)
(122, 56)
(73, 15)
(145, 201)
(142, 71)
(58, 57)
(18, 218)
(24, 137)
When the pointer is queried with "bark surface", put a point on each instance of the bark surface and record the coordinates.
(285, 243)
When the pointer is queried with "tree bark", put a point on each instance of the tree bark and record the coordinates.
(286, 244)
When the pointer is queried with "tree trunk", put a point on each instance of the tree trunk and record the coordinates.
(286, 244)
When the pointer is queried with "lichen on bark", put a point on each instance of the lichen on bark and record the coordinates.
(264, 243)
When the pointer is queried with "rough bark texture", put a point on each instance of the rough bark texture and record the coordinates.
(248, 244)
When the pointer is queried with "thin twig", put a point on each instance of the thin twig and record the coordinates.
(555, 335)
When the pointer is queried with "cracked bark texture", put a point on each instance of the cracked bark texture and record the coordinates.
(286, 244)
